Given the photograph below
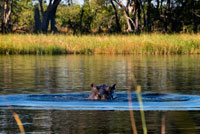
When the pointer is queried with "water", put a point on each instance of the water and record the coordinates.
(49, 93)
(77, 101)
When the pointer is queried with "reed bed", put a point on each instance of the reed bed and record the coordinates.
(100, 44)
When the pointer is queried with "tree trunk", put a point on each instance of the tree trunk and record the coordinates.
(37, 20)
(81, 20)
(6, 13)
(116, 17)
(166, 16)
(194, 17)
(48, 16)
(144, 15)
(45, 22)
(128, 21)
(53, 22)
(158, 4)
(158, 10)
(53, 17)
(161, 7)
(138, 17)
(70, 3)
(148, 16)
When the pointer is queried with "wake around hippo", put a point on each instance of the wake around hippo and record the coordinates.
(102, 92)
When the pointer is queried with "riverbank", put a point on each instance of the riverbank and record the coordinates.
(100, 44)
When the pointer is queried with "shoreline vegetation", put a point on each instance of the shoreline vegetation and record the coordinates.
(40, 44)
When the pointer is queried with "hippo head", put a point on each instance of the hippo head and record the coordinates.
(105, 91)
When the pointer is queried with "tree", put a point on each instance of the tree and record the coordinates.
(194, 16)
(132, 12)
(48, 16)
(6, 14)
(118, 29)
(138, 16)
(148, 16)
(129, 8)
(70, 2)
(167, 15)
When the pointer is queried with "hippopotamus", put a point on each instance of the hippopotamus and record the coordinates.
(102, 92)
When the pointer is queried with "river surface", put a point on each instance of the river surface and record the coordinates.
(49, 93)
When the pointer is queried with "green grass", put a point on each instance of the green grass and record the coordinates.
(100, 44)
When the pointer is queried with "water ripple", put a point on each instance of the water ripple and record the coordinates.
(79, 101)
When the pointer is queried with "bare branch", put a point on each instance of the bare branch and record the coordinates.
(127, 3)
(196, 14)
(131, 20)
(120, 4)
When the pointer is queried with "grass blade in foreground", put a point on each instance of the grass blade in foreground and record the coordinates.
(16, 117)
(141, 109)
(163, 125)
(131, 113)
(19, 123)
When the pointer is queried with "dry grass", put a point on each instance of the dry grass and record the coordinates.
(100, 44)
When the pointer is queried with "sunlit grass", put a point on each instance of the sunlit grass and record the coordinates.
(100, 44)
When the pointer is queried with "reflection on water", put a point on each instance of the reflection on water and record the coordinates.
(97, 122)
(61, 74)
(69, 74)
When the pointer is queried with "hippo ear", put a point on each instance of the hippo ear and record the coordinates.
(114, 86)
(92, 85)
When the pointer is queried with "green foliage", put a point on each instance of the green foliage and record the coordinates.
(22, 17)
(103, 18)
(68, 16)
(80, 19)
(25, 19)
(88, 15)
(94, 17)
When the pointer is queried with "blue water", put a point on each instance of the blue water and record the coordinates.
(79, 101)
